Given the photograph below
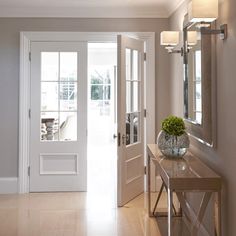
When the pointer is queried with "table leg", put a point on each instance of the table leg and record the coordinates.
(218, 215)
(198, 220)
(158, 198)
(170, 202)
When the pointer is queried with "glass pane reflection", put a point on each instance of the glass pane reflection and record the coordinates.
(135, 127)
(68, 126)
(96, 92)
(135, 96)
(198, 69)
(68, 96)
(49, 66)
(49, 96)
(128, 128)
(49, 126)
(68, 66)
(128, 96)
(132, 128)
(135, 65)
(128, 61)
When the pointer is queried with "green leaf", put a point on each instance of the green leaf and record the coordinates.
(173, 125)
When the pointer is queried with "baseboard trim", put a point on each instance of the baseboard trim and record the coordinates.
(8, 185)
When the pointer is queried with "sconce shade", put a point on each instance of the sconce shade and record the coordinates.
(169, 38)
(203, 10)
(192, 38)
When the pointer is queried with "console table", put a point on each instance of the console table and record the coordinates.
(187, 174)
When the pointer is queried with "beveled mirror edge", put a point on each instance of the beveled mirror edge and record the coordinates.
(204, 133)
(211, 145)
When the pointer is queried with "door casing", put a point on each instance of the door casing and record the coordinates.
(24, 94)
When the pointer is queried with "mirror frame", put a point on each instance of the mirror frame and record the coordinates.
(204, 132)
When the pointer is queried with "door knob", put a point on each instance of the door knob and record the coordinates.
(114, 136)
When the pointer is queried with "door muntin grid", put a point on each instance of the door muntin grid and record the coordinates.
(59, 85)
(133, 106)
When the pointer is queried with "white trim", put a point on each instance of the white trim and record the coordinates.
(149, 103)
(24, 101)
(8, 185)
(149, 99)
(27, 37)
(93, 12)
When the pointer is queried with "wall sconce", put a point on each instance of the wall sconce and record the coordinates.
(170, 39)
(192, 38)
(204, 12)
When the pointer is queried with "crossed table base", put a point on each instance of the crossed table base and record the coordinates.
(180, 176)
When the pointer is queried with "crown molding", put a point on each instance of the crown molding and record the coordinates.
(164, 11)
(173, 7)
(85, 12)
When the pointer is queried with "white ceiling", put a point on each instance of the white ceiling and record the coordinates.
(88, 8)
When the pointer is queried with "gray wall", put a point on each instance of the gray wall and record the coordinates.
(222, 158)
(9, 71)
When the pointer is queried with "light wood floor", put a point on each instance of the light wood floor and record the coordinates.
(70, 214)
(79, 214)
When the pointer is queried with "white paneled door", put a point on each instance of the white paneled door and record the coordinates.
(130, 119)
(58, 119)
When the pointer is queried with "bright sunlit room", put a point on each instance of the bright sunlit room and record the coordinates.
(117, 118)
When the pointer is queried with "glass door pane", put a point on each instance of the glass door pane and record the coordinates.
(59, 85)
(132, 97)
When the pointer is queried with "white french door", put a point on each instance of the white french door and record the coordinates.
(130, 119)
(58, 120)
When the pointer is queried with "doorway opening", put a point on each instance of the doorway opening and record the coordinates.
(102, 124)
(25, 114)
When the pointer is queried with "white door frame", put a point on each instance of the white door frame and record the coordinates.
(24, 94)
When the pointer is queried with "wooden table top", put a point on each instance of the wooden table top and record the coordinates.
(187, 173)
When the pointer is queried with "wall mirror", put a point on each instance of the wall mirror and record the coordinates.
(199, 66)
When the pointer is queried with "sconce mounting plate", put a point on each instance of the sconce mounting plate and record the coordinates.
(222, 31)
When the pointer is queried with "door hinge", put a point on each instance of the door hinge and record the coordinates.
(145, 56)
(28, 170)
(118, 139)
(29, 56)
(29, 113)
(145, 113)
(145, 170)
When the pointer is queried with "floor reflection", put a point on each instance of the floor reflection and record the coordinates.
(62, 214)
